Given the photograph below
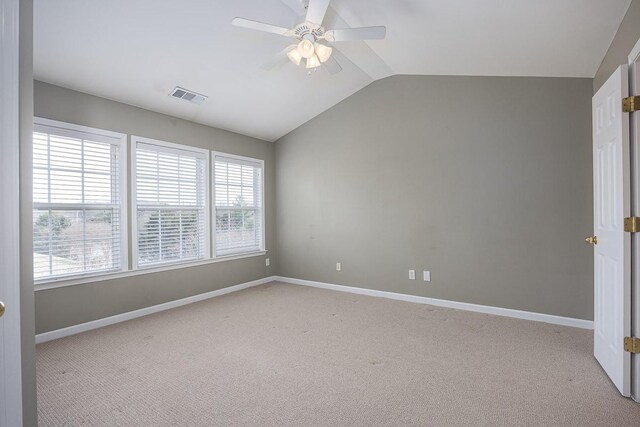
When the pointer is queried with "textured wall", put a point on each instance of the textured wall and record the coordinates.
(624, 40)
(62, 307)
(484, 181)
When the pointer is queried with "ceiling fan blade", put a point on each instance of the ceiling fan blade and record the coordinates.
(316, 11)
(356, 34)
(260, 26)
(296, 6)
(278, 59)
(332, 65)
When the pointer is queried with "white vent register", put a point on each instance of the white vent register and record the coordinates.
(187, 95)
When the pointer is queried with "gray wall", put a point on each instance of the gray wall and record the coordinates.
(624, 40)
(27, 324)
(484, 181)
(62, 307)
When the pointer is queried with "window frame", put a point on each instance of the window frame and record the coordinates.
(127, 144)
(213, 208)
(134, 203)
(120, 140)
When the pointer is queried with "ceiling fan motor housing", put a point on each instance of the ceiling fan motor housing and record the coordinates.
(308, 31)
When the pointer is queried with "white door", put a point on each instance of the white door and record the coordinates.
(10, 365)
(612, 260)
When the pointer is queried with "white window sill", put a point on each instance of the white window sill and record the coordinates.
(62, 282)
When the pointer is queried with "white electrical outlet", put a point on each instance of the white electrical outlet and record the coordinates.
(338, 266)
(426, 276)
(412, 275)
(267, 262)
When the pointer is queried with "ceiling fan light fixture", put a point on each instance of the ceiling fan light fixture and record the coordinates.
(323, 52)
(308, 38)
(294, 56)
(306, 49)
(313, 62)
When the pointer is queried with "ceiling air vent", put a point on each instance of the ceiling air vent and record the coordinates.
(187, 95)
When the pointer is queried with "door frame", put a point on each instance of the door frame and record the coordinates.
(11, 372)
(634, 137)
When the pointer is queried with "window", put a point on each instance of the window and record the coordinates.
(171, 202)
(80, 203)
(79, 210)
(238, 206)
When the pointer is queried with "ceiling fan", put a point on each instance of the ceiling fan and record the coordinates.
(312, 41)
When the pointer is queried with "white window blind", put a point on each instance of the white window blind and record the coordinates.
(238, 206)
(171, 203)
(77, 202)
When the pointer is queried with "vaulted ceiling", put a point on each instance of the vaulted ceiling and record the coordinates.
(136, 52)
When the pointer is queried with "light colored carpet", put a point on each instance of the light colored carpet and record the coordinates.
(282, 354)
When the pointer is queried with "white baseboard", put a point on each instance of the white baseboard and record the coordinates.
(498, 311)
(95, 324)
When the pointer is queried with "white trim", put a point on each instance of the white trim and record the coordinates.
(95, 324)
(635, 53)
(498, 311)
(634, 89)
(121, 137)
(207, 205)
(249, 160)
(179, 149)
(212, 203)
(10, 339)
(148, 270)
(133, 206)
(124, 205)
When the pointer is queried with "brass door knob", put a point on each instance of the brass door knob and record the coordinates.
(1, 308)
(592, 240)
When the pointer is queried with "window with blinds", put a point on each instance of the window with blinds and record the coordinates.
(171, 203)
(238, 205)
(78, 208)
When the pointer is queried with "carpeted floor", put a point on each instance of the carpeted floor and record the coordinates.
(282, 354)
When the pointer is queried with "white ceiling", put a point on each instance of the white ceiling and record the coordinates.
(137, 51)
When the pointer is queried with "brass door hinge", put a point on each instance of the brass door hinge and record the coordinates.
(632, 344)
(632, 224)
(631, 104)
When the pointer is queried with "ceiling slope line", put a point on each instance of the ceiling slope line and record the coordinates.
(376, 71)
